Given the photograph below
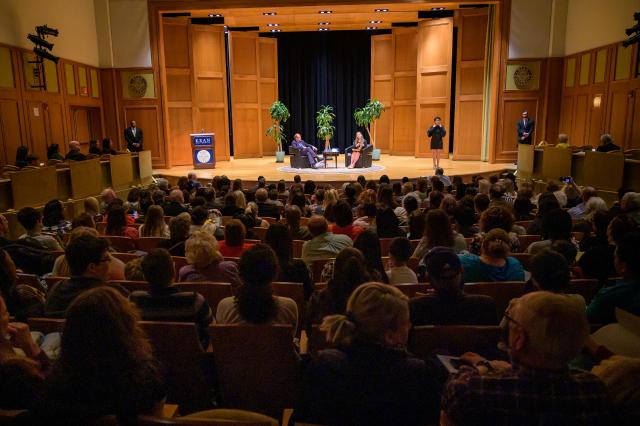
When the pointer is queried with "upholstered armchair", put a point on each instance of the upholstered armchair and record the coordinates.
(297, 159)
(365, 160)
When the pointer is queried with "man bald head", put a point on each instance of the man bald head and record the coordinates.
(317, 225)
(74, 146)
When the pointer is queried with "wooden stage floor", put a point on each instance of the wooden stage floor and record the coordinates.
(393, 166)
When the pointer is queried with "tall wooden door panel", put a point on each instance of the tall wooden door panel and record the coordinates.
(268, 60)
(404, 91)
(9, 130)
(36, 128)
(472, 32)
(245, 95)
(433, 80)
(382, 87)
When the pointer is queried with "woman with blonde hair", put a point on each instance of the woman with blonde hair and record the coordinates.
(206, 262)
(331, 197)
(494, 262)
(154, 224)
(358, 145)
(369, 361)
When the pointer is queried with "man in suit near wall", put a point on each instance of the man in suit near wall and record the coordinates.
(526, 127)
(134, 137)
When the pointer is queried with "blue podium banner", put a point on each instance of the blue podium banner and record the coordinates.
(202, 140)
(203, 156)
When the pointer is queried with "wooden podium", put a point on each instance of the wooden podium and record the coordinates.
(203, 150)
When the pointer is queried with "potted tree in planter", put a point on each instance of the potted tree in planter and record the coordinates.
(366, 115)
(279, 114)
(324, 120)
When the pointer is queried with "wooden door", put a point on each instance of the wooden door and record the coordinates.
(382, 87)
(404, 91)
(268, 86)
(433, 84)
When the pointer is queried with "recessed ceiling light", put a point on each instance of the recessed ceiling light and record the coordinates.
(325, 12)
(375, 22)
(438, 8)
(215, 15)
(323, 29)
(269, 13)
(275, 31)
(324, 23)
(372, 28)
(381, 10)
(273, 25)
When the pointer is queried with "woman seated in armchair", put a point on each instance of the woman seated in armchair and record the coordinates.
(358, 145)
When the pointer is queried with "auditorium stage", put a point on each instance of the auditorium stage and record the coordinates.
(393, 166)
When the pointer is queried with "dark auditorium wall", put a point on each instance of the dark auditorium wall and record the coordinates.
(334, 69)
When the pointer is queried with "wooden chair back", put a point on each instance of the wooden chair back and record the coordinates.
(212, 292)
(270, 220)
(524, 223)
(195, 421)
(167, 219)
(100, 227)
(264, 377)
(524, 258)
(125, 257)
(587, 288)
(46, 325)
(297, 248)
(527, 240)
(429, 340)
(131, 286)
(317, 340)
(120, 244)
(294, 291)
(177, 348)
(30, 280)
(51, 281)
(259, 232)
(316, 268)
(179, 262)
(384, 246)
(412, 290)
(235, 260)
(501, 291)
(148, 244)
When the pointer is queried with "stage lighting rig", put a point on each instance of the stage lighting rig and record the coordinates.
(633, 32)
(42, 50)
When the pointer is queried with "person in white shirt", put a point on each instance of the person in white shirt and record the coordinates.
(399, 254)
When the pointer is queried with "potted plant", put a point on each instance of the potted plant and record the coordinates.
(366, 115)
(324, 120)
(279, 114)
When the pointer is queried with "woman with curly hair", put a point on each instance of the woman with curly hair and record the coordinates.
(493, 218)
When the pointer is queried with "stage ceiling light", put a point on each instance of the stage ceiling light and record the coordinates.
(438, 8)
(372, 28)
(324, 23)
(375, 22)
(276, 31)
(325, 12)
(323, 29)
(381, 10)
(215, 15)
(269, 13)
(273, 25)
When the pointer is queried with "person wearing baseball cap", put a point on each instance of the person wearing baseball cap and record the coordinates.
(448, 304)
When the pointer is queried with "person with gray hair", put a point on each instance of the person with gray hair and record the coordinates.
(265, 208)
(595, 204)
(630, 205)
(578, 211)
(542, 333)
(369, 378)
(175, 203)
(74, 153)
(606, 144)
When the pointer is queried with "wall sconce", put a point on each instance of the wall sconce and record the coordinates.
(597, 101)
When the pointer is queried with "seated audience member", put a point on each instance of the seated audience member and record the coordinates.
(435, 198)
(510, 193)
(410, 204)
(22, 156)
(23, 365)
(206, 263)
(296, 231)
(625, 293)
(234, 239)
(105, 367)
(200, 222)
(546, 202)
(179, 229)
(494, 262)
(291, 270)
(556, 225)
(465, 218)
(164, 302)
(388, 224)
(563, 141)
(108, 195)
(53, 220)
(273, 199)
(349, 271)
(399, 254)
(606, 144)
(107, 147)
(154, 224)
(93, 147)
(254, 302)
(631, 205)
(543, 332)
(438, 232)
(92, 207)
(31, 221)
(88, 260)
(597, 236)
(74, 153)
(598, 262)
(595, 204)
(620, 375)
(522, 207)
(323, 244)
(253, 220)
(386, 200)
(495, 218)
(83, 219)
(550, 272)
(578, 211)
(369, 378)
(496, 197)
(234, 203)
(616, 208)
(265, 208)
(369, 244)
(193, 183)
(175, 204)
(366, 215)
(417, 221)
(444, 179)
(344, 221)
(61, 266)
(449, 305)
(317, 202)
(133, 270)
(481, 203)
(117, 224)
(53, 152)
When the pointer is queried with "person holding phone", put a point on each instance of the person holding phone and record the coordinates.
(436, 132)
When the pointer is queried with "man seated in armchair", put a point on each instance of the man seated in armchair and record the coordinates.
(305, 149)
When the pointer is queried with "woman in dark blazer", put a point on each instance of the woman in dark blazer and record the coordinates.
(436, 132)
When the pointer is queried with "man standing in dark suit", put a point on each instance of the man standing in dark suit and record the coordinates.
(526, 127)
(134, 137)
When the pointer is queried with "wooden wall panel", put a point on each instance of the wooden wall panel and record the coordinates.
(10, 134)
(433, 80)
(580, 118)
(382, 58)
(246, 97)
(404, 62)
(180, 125)
(566, 115)
(147, 117)
(470, 66)
(268, 87)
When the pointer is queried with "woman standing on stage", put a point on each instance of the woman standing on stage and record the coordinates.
(436, 132)
(358, 144)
